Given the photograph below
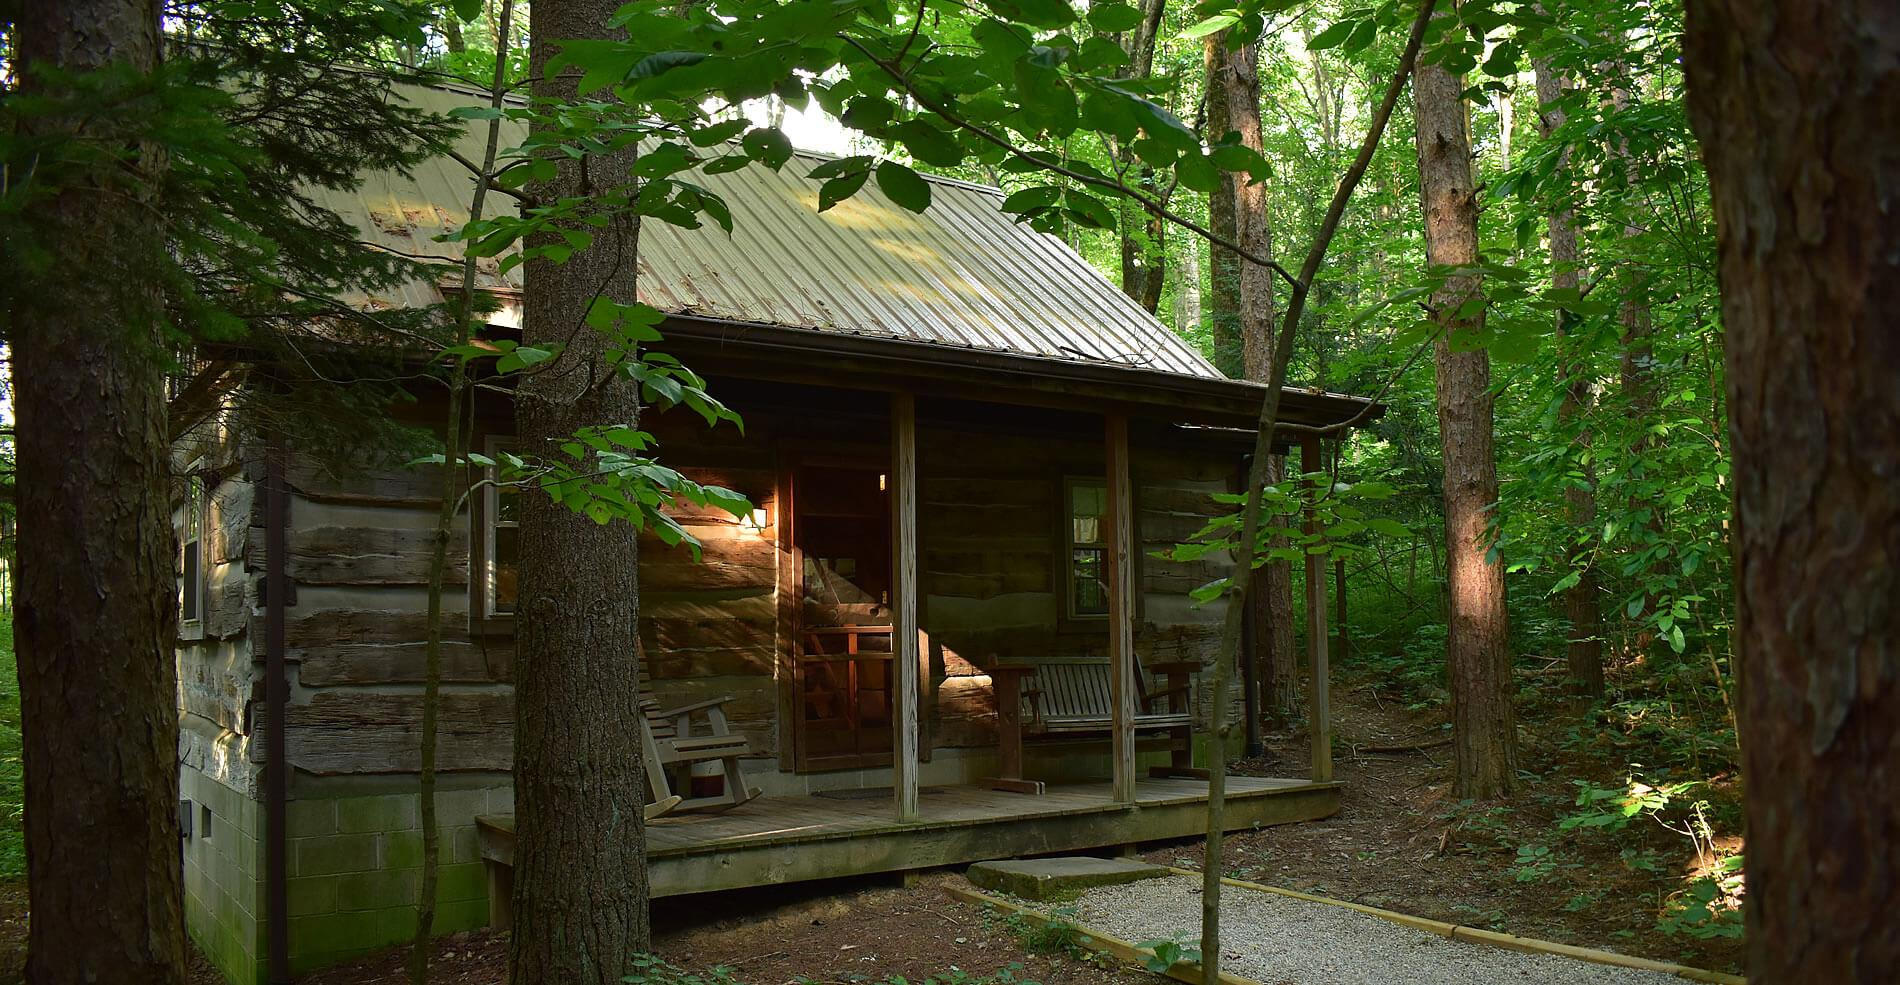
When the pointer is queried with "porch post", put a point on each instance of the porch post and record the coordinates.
(904, 650)
(1121, 607)
(1320, 715)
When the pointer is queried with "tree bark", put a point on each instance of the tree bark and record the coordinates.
(1144, 254)
(1584, 654)
(1798, 113)
(97, 612)
(580, 887)
(1483, 722)
(1276, 653)
(1242, 300)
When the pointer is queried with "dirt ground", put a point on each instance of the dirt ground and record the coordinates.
(1400, 842)
(840, 933)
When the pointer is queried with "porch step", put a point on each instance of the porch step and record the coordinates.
(1048, 878)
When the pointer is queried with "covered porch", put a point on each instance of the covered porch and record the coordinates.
(818, 836)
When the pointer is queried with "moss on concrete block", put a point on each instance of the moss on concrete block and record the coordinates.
(309, 818)
(332, 854)
(402, 849)
(461, 881)
(1047, 878)
(377, 890)
(461, 915)
(310, 895)
(391, 812)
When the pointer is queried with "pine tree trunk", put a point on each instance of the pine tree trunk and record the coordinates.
(1797, 119)
(97, 614)
(580, 879)
(1484, 727)
(1584, 654)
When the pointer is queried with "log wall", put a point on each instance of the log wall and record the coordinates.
(991, 573)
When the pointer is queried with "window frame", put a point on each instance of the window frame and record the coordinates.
(191, 536)
(1066, 517)
(492, 445)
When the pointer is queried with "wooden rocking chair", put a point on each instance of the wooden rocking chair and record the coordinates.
(670, 748)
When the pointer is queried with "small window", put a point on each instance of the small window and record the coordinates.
(191, 553)
(1087, 504)
(504, 541)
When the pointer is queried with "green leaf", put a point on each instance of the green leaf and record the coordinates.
(1361, 37)
(1041, 13)
(468, 10)
(1198, 173)
(1032, 199)
(717, 133)
(903, 186)
(1387, 526)
(769, 146)
(1212, 25)
(1113, 17)
(840, 188)
(661, 62)
(928, 144)
(1333, 36)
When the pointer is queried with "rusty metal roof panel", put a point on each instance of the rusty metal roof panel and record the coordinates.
(961, 274)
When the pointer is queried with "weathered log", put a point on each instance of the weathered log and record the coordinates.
(417, 488)
(341, 555)
(352, 730)
(403, 663)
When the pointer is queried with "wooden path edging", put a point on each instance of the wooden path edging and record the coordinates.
(1512, 942)
(1190, 972)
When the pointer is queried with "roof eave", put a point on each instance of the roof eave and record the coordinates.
(798, 355)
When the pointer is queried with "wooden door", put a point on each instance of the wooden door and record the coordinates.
(842, 529)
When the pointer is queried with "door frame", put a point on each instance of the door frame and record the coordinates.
(793, 455)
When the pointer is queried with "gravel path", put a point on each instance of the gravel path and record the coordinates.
(1279, 940)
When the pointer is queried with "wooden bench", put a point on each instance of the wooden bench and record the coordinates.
(1071, 699)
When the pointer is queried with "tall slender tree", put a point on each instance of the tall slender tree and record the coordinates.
(1484, 725)
(1243, 308)
(1584, 655)
(1144, 237)
(1798, 114)
(97, 608)
(580, 892)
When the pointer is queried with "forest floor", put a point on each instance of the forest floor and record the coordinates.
(1401, 842)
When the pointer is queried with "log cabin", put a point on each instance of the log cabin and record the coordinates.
(940, 631)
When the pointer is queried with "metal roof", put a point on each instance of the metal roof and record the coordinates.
(961, 274)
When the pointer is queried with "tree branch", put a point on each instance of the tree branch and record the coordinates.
(1151, 206)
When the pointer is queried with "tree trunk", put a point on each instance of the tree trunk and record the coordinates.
(1276, 652)
(1242, 297)
(455, 488)
(1798, 125)
(580, 887)
(97, 612)
(1245, 305)
(1144, 237)
(1585, 651)
(1187, 286)
(1483, 723)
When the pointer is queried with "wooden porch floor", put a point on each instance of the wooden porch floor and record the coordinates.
(792, 839)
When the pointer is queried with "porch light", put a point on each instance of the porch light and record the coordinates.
(757, 520)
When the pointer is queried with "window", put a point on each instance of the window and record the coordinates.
(191, 576)
(503, 545)
(1087, 504)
